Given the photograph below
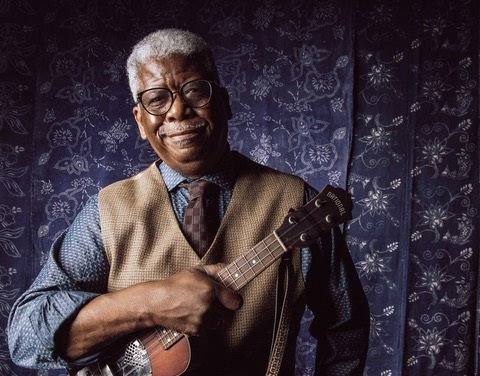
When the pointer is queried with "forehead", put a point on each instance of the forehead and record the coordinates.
(170, 71)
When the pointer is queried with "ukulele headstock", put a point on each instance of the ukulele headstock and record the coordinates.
(330, 208)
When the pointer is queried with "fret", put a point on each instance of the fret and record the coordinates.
(256, 258)
(248, 266)
(238, 277)
(267, 256)
(302, 226)
(226, 277)
(167, 337)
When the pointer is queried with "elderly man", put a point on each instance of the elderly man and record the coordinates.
(133, 288)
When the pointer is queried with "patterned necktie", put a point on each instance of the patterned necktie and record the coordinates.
(195, 221)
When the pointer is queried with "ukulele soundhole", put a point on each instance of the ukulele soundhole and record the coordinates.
(136, 360)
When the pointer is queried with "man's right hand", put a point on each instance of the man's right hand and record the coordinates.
(190, 301)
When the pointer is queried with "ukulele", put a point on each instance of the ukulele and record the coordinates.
(164, 352)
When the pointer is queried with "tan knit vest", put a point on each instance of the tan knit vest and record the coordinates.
(143, 242)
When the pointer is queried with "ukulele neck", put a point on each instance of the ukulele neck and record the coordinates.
(252, 263)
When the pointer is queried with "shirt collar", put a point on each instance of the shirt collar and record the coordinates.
(224, 176)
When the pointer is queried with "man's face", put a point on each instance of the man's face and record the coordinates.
(190, 140)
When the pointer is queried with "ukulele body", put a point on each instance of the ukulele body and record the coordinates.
(143, 356)
(164, 352)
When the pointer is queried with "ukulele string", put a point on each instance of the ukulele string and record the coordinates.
(312, 225)
(158, 346)
(261, 256)
(268, 251)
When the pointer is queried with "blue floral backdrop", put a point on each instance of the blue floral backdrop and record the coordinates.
(380, 97)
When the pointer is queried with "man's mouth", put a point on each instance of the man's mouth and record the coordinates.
(181, 134)
(176, 129)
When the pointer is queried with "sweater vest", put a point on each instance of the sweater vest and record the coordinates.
(144, 241)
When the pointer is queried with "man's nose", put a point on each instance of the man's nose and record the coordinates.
(179, 109)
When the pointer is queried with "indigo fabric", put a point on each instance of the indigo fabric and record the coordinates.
(379, 97)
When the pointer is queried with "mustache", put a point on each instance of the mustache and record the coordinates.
(176, 128)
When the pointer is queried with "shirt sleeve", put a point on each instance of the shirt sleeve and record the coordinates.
(339, 306)
(75, 272)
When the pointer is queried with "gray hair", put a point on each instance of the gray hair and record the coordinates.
(165, 43)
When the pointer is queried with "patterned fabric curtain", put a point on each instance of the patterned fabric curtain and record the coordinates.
(379, 97)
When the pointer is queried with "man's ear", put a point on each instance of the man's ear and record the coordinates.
(137, 113)
(226, 102)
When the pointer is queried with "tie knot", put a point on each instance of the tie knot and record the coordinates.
(197, 188)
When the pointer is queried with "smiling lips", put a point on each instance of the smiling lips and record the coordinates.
(180, 133)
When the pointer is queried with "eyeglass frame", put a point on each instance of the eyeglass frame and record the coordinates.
(173, 95)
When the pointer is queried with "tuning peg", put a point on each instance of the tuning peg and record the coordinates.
(319, 202)
(305, 237)
(292, 219)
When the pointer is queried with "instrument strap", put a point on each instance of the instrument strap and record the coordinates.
(282, 315)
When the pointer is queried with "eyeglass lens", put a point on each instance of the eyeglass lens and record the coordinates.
(195, 94)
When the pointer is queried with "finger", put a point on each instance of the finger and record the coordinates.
(229, 298)
(213, 269)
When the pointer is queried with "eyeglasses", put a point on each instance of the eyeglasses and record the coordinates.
(158, 101)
